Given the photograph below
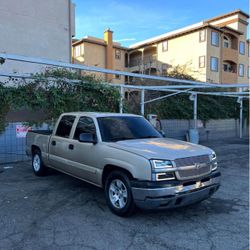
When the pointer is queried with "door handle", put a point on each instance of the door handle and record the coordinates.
(53, 143)
(71, 146)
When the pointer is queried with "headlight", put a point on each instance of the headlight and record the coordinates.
(213, 161)
(161, 164)
(212, 157)
(162, 170)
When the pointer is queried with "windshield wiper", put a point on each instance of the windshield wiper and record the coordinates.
(122, 138)
(149, 136)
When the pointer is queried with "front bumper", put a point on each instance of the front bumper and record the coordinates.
(170, 194)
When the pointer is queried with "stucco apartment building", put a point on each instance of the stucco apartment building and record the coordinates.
(34, 28)
(102, 53)
(214, 50)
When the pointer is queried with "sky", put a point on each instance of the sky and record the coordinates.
(134, 21)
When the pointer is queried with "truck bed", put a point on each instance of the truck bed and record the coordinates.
(38, 138)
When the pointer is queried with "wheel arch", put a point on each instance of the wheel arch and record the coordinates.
(110, 168)
(34, 148)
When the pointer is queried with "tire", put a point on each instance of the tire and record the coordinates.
(37, 164)
(118, 194)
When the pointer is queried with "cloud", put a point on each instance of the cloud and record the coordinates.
(125, 40)
(128, 20)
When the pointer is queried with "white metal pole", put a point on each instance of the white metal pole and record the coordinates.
(121, 99)
(241, 116)
(142, 101)
(195, 111)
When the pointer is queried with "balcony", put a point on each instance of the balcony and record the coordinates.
(229, 54)
(229, 72)
(229, 77)
(149, 61)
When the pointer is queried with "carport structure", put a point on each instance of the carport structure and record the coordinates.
(177, 86)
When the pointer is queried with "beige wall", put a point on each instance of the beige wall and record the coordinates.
(213, 51)
(119, 64)
(36, 29)
(185, 50)
(94, 54)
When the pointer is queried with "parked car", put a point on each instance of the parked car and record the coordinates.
(128, 158)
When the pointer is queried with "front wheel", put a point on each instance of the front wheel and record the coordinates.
(37, 164)
(118, 194)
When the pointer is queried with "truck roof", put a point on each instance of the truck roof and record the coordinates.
(98, 114)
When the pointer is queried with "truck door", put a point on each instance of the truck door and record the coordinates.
(59, 143)
(83, 157)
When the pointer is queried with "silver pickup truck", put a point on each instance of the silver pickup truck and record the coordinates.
(125, 155)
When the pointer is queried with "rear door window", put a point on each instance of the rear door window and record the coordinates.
(65, 126)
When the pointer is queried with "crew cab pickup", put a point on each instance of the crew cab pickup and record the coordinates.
(127, 157)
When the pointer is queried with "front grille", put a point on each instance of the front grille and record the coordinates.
(195, 166)
(189, 161)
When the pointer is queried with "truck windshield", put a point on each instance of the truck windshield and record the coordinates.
(117, 128)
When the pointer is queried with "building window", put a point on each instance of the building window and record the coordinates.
(202, 36)
(248, 72)
(117, 76)
(215, 38)
(117, 54)
(77, 50)
(164, 46)
(242, 48)
(226, 42)
(214, 63)
(241, 69)
(201, 61)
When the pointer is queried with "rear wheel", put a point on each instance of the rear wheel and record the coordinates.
(37, 164)
(118, 194)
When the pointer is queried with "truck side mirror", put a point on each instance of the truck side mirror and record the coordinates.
(87, 137)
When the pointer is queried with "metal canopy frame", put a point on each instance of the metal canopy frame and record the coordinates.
(177, 86)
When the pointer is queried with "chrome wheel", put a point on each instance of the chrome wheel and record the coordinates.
(36, 163)
(118, 194)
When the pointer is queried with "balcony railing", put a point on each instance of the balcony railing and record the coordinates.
(147, 60)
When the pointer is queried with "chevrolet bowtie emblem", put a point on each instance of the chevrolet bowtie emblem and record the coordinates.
(197, 166)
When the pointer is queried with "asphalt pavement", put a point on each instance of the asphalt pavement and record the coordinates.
(61, 212)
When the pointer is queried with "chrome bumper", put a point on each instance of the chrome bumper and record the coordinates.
(175, 195)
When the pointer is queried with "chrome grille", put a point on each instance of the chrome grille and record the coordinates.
(188, 161)
(192, 167)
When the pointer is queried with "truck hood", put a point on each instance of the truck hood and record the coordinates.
(161, 148)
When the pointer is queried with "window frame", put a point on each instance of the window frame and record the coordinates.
(215, 44)
(202, 38)
(202, 63)
(74, 137)
(243, 69)
(244, 48)
(226, 40)
(118, 54)
(78, 50)
(164, 46)
(211, 60)
(61, 120)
